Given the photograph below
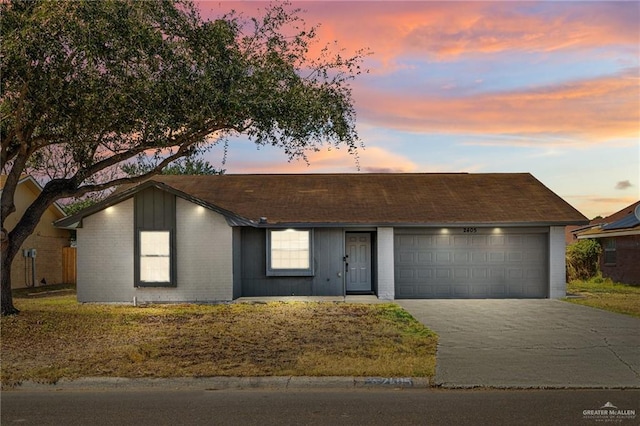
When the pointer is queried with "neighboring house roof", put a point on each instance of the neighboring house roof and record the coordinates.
(35, 187)
(508, 199)
(621, 223)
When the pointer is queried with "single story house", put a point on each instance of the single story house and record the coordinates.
(619, 235)
(41, 260)
(217, 238)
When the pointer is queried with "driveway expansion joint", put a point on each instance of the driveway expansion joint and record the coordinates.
(610, 347)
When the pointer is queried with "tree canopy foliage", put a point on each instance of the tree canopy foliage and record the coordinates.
(88, 86)
(582, 259)
(184, 166)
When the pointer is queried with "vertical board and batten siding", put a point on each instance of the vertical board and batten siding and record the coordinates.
(204, 257)
(237, 262)
(479, 263)
(328, 266)
(154, 210)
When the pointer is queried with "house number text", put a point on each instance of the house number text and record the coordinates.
(470, 230)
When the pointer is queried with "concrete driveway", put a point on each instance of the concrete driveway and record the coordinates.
(530, 343)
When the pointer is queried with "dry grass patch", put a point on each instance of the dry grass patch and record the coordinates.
(55, 337)
(605, 294)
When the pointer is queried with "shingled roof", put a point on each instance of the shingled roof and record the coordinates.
(374, 199)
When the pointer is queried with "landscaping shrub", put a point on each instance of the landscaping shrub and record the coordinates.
(582, 259)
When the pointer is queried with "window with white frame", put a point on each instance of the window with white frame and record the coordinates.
(289, 252)
(155, 257)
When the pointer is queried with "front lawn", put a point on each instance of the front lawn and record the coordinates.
(605, 294)
(55, 337)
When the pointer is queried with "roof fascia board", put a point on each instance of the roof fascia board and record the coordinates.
(625, 233)
(409, 225)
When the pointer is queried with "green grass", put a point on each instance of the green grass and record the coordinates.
(605, 294)
(54, 337)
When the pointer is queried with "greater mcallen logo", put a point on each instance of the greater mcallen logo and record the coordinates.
(609, 413)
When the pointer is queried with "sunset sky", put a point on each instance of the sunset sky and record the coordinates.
(550, 88)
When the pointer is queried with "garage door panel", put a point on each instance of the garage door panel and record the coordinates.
(479, 241)
(497, 240)
(461, 241)
(515, 274)
(461, 291)
(443, 257)
(442, 241)
(461, 273)
(471, 266)
(480, 291)
(443, 291)
(479, 273)
(443, 274)
(405, 274)
(406, 258)
(515, 256)
(479, 257)
(496, 257)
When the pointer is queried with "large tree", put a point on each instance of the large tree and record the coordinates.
(90, 85)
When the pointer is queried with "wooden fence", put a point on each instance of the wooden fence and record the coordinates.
(69, 265)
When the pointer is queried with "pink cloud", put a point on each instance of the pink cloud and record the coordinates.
(594, 110)
(594, 205)
(446, 30)
(370, 159)
(399, 32)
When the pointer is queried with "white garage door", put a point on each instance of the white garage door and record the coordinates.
(471, 263)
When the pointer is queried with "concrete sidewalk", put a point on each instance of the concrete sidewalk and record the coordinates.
(222, 383)
(530, 344)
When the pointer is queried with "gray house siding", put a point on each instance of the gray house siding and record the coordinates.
(328, 266)
(237, 262)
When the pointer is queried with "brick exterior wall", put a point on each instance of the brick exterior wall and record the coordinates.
(48, 261)
(46, 239)
(627, 267)
(105, 255)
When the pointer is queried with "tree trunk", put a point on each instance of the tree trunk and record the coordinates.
(5, 291)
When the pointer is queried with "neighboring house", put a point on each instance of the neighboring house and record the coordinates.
(217, 238)
(41, 259)
(619, 236)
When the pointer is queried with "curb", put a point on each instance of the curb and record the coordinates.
(225, 383)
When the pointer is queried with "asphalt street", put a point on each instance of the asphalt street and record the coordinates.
(144, 407)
